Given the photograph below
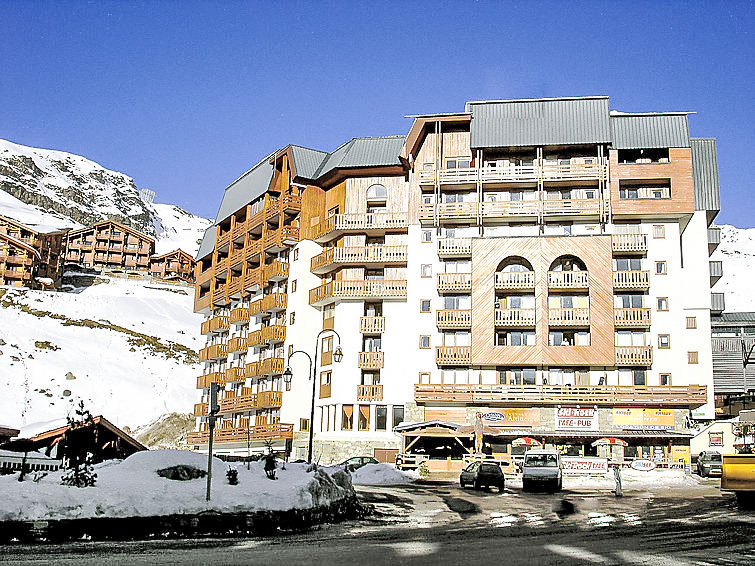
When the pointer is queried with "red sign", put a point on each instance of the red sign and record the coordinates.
(576, 418)
(584, 465)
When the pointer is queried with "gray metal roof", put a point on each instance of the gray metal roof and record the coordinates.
(705, 174)
(251, 185)
(561, 121)
(364, 152)
(640, 131)
(208, 243)
(733, 317)
(307, 161)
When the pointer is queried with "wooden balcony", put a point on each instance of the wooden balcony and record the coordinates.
(370, 360)
(213, 352)
(629, 243)
(375, 256)
(234, 374)
(509, 174)
(690, 396)
(256, 433)
(358, 290)
(223, 240)
(234, 286)
(634, 355)
(203, 381)
(252, 250)
(573, 171)
(200, 409)
(631, 280)
(238, 403)
(510, 209)
(569, 317)
(514, 318)
(631, 318)
(568, 279)
(369, 392)
(237, 344)
(239, 230)
(255, 307)
(457, 211)
(572, 207)
(220, 296)
(274, 333)
(274, 302)
(453, 318)
(252, 369)
(276, 271)
(239, 315)
(290, 203)
(254, 339)
(215, 324)
(454, 247)
(505, 280)
(372, 324)
(269, 399)
(372, 223)
(454, 282)
(452, 355)
(271, 366)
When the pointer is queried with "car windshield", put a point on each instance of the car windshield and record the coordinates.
(714, 457)
(490, 469)
(541, 460)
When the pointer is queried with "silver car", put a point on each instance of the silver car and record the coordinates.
(709, 464)
(542, 468)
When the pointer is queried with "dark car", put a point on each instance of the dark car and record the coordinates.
(481, 474)
(709, 464)
(357, 462)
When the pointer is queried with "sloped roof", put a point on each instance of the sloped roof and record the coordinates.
(251, 185)
(641, 131)
(705, 174)
(364, 152)
(307, 161)
(207, 244)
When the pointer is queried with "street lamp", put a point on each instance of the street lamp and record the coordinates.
(288, 376)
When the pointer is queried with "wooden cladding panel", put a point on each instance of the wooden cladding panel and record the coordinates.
(595, 251)
(312, 208)
(446, 415)
(678, 169)
(356, 193)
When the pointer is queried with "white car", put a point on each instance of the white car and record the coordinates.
(542, 468)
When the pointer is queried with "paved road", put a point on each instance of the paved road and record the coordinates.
(442, 524)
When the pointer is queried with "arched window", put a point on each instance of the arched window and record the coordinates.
(568, 263)
(377, 193)
(514, 264)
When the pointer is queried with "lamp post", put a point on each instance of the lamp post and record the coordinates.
(288, 375)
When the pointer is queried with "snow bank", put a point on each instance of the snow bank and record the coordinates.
(632, 479)
(378, 474)
(132, 488)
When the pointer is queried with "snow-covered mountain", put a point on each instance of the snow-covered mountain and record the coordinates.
(737, 252)
(53, 188)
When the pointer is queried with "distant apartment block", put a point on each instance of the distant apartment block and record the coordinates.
(29, 257)
(109, 245)
(173, 266)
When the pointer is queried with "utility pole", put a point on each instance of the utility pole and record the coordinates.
(213, 410)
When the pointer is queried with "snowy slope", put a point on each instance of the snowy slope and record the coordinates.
(126, 347)
(737, 252)
(66, 190)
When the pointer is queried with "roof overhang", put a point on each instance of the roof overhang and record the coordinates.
(418, 130)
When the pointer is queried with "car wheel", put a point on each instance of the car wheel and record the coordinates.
(501, 487)
(560, 485)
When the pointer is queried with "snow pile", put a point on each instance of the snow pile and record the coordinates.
(632, 480)
(737, 252)
(132, 488)
(126, 347)
(379, 474)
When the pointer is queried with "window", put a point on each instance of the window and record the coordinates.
(364, 417)
(627, 264)
(664, 341)
(296, 254)
(381, 417)
(293, 286)
(660, 268)
(691, 357)
(427, 236)
(398, 414)
(659, 231)
(377, 193)
(458, 163)
(662, 303)
(292, 318)
(639, 377)
(424, 342)
(327, 344)
(424, 377)
(524, 376)
(304, 425)
(347, 417)
(665, 379)
(515, 338)
(424, 305)
(691, 322)
(290, 350)
(427, 270)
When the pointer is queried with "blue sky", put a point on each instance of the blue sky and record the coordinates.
(185, 96)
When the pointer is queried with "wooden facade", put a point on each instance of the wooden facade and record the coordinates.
(109, 245)
(29, 257)
(173, 266)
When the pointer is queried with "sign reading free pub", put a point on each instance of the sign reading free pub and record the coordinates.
(573, 418)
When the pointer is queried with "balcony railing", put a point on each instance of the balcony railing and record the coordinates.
(212, 352)
(269, 399)
(374, 255)
(200, 409)
(358, 222)
(238, 403)
(454, 247)
(634, 355)
(203, 381)
(527, 395)
(370, 360)
(254, 338)
(215, 324)
(237, 344)
(568, 279)
(271, 366)
(514, 280)
(569, 317)
(714, 238)
(453, 318)
(581, 207)
(223, 240)
(572, 171)
(631, 279)
(452, 355)
(274, 334)
(510, 208)
(238, 315)
(514, 173)
(253, 249)
(630, 318)
(369, 392)
(454, 282)
(252, 369)
(257, 433)
(372, 324)
(629, 243)
(234, 374)
(514, 317)
(276, 271)
(358, 290)
(274, 302)
(239, 229)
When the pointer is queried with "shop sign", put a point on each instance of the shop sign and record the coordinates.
(513, 417)
(584, 465)
(574, 418)
(715, 439)
(643, 465)
(643, 419)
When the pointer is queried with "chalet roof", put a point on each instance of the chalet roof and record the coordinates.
(114, 223)
(250, 186)
(658, 130)
(208, 243)
(363, 152)
(37, 230)
(19, 243)
(307, 161)
(98, 421)
(177, 250)
(733, 318)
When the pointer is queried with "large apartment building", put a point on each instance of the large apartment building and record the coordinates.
(109, 245)
(542, 263)
(29, 256)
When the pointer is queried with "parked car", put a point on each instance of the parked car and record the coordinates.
(542, 468)
(709, 464)
(357, 462)
(481, 474)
